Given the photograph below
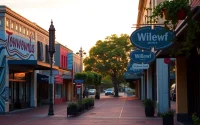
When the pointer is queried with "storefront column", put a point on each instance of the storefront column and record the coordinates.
(136, 89)
(149, 83)
(162, 85)
(33, 101)
(69, 91)
(139, 88)
(7, 87)
(142, 88)
(181, 89)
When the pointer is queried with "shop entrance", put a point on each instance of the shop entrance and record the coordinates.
(19, 92)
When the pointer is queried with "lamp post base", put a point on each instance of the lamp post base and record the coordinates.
(51, 110)
(50, 113)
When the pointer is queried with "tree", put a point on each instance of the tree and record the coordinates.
(90, 78)
(107, 82)
(110, 57)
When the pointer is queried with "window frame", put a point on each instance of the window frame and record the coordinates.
(7, 23)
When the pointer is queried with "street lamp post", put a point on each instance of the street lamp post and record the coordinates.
(81, 52)
(51, 53)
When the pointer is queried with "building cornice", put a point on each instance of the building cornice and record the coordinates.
(6, 10)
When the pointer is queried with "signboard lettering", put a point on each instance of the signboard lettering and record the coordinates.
(139, 56)
(147, 38)
(140, 66)
(16, 45)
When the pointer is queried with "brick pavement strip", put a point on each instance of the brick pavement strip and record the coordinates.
(107, 111)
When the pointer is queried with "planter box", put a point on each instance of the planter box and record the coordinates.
(149, 111)
(87, 105)
(81, 108)
(168, 120)
(72, 111)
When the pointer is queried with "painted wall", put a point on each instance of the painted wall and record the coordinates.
(63, 57)
(57, 55)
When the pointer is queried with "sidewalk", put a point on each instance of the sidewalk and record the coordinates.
(107, 111)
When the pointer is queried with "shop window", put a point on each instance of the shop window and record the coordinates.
(19, 76)
(27, 32)
(40, 51)
(24, 30)
(7, 23)
(16, 27)
(33, 35)
(20, 28)
(47, 53)
(58, 91)
(62, 61)
(12, 25)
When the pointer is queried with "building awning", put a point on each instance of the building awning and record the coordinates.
(129, 76)
(29, 65)
(42, 78)
(179, 31)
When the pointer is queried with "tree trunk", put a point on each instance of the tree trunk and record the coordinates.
(97, 95)
(115, 86)
(116, 90)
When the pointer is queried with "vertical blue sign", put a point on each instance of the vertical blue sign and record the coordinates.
(70, 61)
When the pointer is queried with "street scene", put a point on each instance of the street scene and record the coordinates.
(124, 110)
(124, 62)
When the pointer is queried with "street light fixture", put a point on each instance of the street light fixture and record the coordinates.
(81, 52)
(51, 53)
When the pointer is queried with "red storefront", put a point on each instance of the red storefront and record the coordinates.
(59, 89)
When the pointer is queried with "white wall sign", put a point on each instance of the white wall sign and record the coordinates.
(140, 66)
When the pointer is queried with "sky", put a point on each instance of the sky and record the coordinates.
(79, 23)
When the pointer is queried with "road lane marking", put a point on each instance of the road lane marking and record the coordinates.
(122, 109)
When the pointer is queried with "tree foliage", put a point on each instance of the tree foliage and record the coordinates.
(90, 78)
(110, 57)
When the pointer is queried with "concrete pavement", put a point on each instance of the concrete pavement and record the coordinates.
(107, 111)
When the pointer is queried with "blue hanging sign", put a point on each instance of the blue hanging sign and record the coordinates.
(139, 56)
(78, 80)
(132, 70)
(131, 76)
(147, 38)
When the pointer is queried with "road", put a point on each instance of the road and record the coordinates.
(108, 110)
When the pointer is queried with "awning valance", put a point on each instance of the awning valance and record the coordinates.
(29, 65)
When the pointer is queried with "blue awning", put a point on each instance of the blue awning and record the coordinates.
(131, 76)
(30, 64)
(42, 78)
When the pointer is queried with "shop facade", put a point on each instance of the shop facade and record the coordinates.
(23, 52)
(186, 67)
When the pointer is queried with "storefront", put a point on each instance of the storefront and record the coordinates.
(187, 73)
(59, 89)
(19, 90)
(42, 89)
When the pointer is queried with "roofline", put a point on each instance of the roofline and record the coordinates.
(7, 10)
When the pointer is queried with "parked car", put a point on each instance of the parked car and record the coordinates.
(109, 91)
(173, 92)
(92, 91)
